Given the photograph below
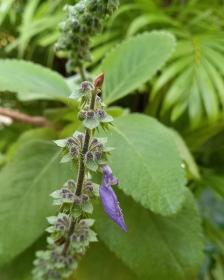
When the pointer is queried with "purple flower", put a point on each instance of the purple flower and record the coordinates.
(109, 198)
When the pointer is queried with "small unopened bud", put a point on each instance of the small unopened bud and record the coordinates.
(100, 113)
(77, 200)
(82, 115)
(70, 141)
(86, 86)
(97, 155)
(98, 82)
(90, 114)
(89, 156)
(73, 151)
(85, 197)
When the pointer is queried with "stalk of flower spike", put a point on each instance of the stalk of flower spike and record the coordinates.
(71, 230)
(81, 169)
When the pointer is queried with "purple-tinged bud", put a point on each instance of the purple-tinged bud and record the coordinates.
(82, 115)
(86, 86)
(97, 156)
(70, 183)
(70, 141)
(109, 198)
(101, 114)
(77, 200)
(73, 151)
(85, 197)
(90, 114)
(89, 156)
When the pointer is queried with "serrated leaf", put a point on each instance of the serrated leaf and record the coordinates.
(155, 247)
(100, 264)
(134, 62)
(31, 81)
(25, 185)
(147, 163)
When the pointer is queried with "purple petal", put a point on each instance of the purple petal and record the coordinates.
(108, 178)
(111, 206)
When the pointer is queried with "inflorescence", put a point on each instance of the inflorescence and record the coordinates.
(71, 230)
(84, 19)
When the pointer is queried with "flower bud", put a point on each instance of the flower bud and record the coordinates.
(98, 82)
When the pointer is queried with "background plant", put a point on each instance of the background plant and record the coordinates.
(177, 93)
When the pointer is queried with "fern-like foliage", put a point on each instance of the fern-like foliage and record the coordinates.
(192, 84)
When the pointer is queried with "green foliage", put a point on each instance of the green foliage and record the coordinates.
(130, 65)
(187, 157)
(27, 180)
(152, 172)
(20, 268)
(34, 24)
(193, 80)
(156, 247)
(100, 264)
(31, 81)
(154, 163)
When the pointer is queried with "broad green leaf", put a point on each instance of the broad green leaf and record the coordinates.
(31, 81)
(100, 264)
(43, 133)
(147, 163)
(134, 62)
(155, 247)
(25, 185)
(186, 156)
(21, 267)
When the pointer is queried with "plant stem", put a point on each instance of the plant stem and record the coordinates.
(24, 118)
(81, 172)
(82, 72)
(88, 132)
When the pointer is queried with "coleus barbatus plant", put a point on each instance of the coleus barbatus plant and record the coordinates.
(71, 230)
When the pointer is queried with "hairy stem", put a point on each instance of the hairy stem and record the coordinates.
(81, 172)
(82, 73)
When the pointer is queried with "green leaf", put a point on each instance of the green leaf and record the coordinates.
(186, 156)
(91, 123)
(134, 62)
(20, 268)
(147, 163)
(25, 185)
(155, 247)
(214, 180)
(31, 81)
(100, 264)
(43, 133)
(192, 83)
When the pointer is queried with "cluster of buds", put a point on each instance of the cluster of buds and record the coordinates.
(71, 230)
(83, 20)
